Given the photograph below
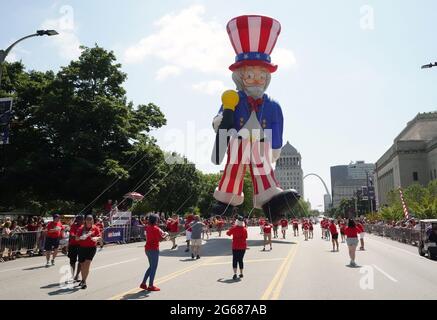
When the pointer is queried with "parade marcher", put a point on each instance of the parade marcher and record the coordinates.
(196, 233)
(73, 247)
(305, 228)
(173, 229)
(334, 235)
(153, 236)
(284, 227)
(361, 227)
(295, 223)
(310, 229)
(261, 223)
(239, 245)
(275, 230)
(352, 232)
(342, 228)
(101, 227)
(188, 230)
(54, 233)
(220, 224)
(267, 231)
(88, 236)
(205, 230)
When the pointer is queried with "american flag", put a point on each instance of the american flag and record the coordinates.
(404, 205)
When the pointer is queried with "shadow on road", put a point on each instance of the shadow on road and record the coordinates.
(229, 281)
(36, 268)
(63, 291)
(135, 296)
(355, 267)
(50, 286)
(260, 243)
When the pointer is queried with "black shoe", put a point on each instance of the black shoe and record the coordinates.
(186, 250)
(192, 256)
(279, 205)
(198, 257)
(241, 276)
(83, 286)
(234, 277)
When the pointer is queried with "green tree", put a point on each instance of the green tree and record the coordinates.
(75, 133)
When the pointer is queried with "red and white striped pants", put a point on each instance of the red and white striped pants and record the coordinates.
(243, 153)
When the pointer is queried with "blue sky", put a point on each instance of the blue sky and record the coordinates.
(349, 75)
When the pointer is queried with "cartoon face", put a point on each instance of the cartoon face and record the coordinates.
(254, 76)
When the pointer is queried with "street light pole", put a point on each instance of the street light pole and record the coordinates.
(4, 53)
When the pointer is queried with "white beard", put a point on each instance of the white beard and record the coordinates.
(254, 92)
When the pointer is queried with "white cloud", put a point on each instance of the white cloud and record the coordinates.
(187, 40)
(67, 42)
(190, 41)
(167, 71)
(284, 58)
(12, 57)
(210, 87)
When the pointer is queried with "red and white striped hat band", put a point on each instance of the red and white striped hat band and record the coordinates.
(253, 38)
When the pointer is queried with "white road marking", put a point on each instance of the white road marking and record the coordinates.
(385, 273)
(114, 264)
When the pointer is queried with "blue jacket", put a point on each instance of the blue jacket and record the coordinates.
(269, 116)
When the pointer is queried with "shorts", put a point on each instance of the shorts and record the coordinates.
(196, 242)
(73, 253)
(51, 243)
(173, 234)
(295, 227)
(267, 236)
(86, 253)
(352, 242)
(362, 235)
(284, 228)
(335, 236)
(188, 235)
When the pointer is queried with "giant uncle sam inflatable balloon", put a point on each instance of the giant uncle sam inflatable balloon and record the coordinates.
(249, 125)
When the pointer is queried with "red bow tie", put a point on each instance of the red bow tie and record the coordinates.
(254, 103)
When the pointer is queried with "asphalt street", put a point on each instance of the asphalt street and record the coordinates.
(294, 269)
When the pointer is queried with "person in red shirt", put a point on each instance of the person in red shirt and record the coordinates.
(54, 233)
(295, 223)
(334, 235)
(73, 247)
(220, 224)
(188, 230)
(267, 230)
(360, 226)
(342, 228)
(352, 240)
(87, 235)
(239, 245)
(305, 227)
(261, 223)
(284, 226)
(310, 229)
(275, 229)
(101, 227)
(173, 229)
(153, 236)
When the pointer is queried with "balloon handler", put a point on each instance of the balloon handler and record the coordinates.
(249, 125)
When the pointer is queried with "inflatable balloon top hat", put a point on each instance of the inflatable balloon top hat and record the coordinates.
(250, 110)
(253, 38)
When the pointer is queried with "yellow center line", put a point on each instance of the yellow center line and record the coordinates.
(277, 282)
(164, 278)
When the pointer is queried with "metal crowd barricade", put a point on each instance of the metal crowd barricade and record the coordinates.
(137, 233)
(21, 243)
